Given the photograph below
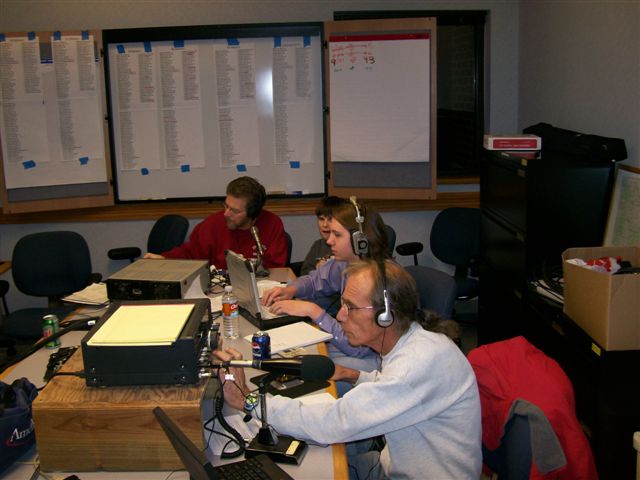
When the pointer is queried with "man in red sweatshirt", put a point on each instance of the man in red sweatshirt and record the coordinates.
(230, 229)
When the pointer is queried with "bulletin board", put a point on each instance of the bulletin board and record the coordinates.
(192, 108)
(52, 126)
(381, 90)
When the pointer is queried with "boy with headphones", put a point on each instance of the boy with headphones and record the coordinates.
(230, 229)
(423, 397)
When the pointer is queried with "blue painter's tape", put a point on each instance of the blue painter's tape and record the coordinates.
(31, 35)
(296, 192)
(29, 164)
(57, 35)
(147, 47)
(85, 34)
(144, 171)
(277, 42)
(2, 37)
(84, 160)
(185, 168)
(307, 41)
(241, 167)
(233, 42)
(120, 48)
(178, 43)
(294, 164)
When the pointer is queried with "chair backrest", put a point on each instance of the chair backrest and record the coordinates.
(436, 289)
(455, 235)
(289, 247)
(455, 240)
(391, 237)
(169, 231)
(51, 264)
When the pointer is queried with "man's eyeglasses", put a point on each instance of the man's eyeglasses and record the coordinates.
(350, 308)
(235, 211)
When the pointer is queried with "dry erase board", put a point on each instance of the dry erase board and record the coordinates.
(52, 121)
(191, 108)
(381, 90)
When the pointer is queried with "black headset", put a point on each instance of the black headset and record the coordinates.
(359, 242)
(384, 318)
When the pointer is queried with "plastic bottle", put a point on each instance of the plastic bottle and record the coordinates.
(229, 313)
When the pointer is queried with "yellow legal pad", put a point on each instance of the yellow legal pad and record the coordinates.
(142, 325)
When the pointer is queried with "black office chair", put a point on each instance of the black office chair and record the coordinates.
(51, 265)
(455, 240)
(289, 248)
(169, 231)
(436, 289)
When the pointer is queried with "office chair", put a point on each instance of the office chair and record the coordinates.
(436, 289)
(528, 414)
(51, 265)
(454, 240)
(169, 231)
(289, 247)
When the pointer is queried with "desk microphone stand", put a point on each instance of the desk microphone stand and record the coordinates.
(281, 448)
(258, 268)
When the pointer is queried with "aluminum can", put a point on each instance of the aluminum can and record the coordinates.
(261, 346)
(51, 325)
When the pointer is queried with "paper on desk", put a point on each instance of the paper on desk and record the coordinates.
(94, 294)
(295, 335)
(195, 291)
(143, 325)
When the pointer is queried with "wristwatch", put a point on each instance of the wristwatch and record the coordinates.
(250, 402)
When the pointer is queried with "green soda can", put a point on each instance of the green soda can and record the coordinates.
(51, 325)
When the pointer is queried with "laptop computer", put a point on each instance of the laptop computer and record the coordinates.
(242, 274)
(199, 467)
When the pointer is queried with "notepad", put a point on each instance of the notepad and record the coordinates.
(295, 335)
(142, 325)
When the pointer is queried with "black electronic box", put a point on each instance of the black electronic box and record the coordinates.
(179, 361)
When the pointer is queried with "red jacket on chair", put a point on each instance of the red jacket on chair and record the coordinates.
(514, 369)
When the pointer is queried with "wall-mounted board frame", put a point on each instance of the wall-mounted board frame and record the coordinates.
(623, 223)
(191, 108)
(52, 126)
(380, 84)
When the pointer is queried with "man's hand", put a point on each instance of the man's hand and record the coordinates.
(234, 390)
(276, 294)
(153, 255)
(345, 374)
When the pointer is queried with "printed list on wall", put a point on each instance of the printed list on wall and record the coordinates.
(190, 115)
(51, 124)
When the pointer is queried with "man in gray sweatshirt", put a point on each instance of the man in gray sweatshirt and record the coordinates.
(423, 398)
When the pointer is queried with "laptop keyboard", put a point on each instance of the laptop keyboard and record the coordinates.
(256, 468)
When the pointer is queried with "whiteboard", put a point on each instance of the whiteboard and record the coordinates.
(192, 108)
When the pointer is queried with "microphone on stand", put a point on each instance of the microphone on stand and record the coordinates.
(281, 448)
(307, 367)
(260, 270)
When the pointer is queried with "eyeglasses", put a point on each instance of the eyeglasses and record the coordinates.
(235, 211)
(350, 308)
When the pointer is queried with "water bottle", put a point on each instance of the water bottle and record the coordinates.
(229, 313)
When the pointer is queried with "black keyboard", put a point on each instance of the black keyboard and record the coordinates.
(260, 467)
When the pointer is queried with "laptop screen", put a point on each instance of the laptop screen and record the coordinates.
(243, 278)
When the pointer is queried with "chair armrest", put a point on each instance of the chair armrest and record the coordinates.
(410, 248)
(124, 253)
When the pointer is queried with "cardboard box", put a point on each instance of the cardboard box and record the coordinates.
(605, 306)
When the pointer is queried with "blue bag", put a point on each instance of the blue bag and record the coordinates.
(17, 434)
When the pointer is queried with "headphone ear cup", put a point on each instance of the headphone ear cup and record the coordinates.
(384, 318)
(359, 243)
